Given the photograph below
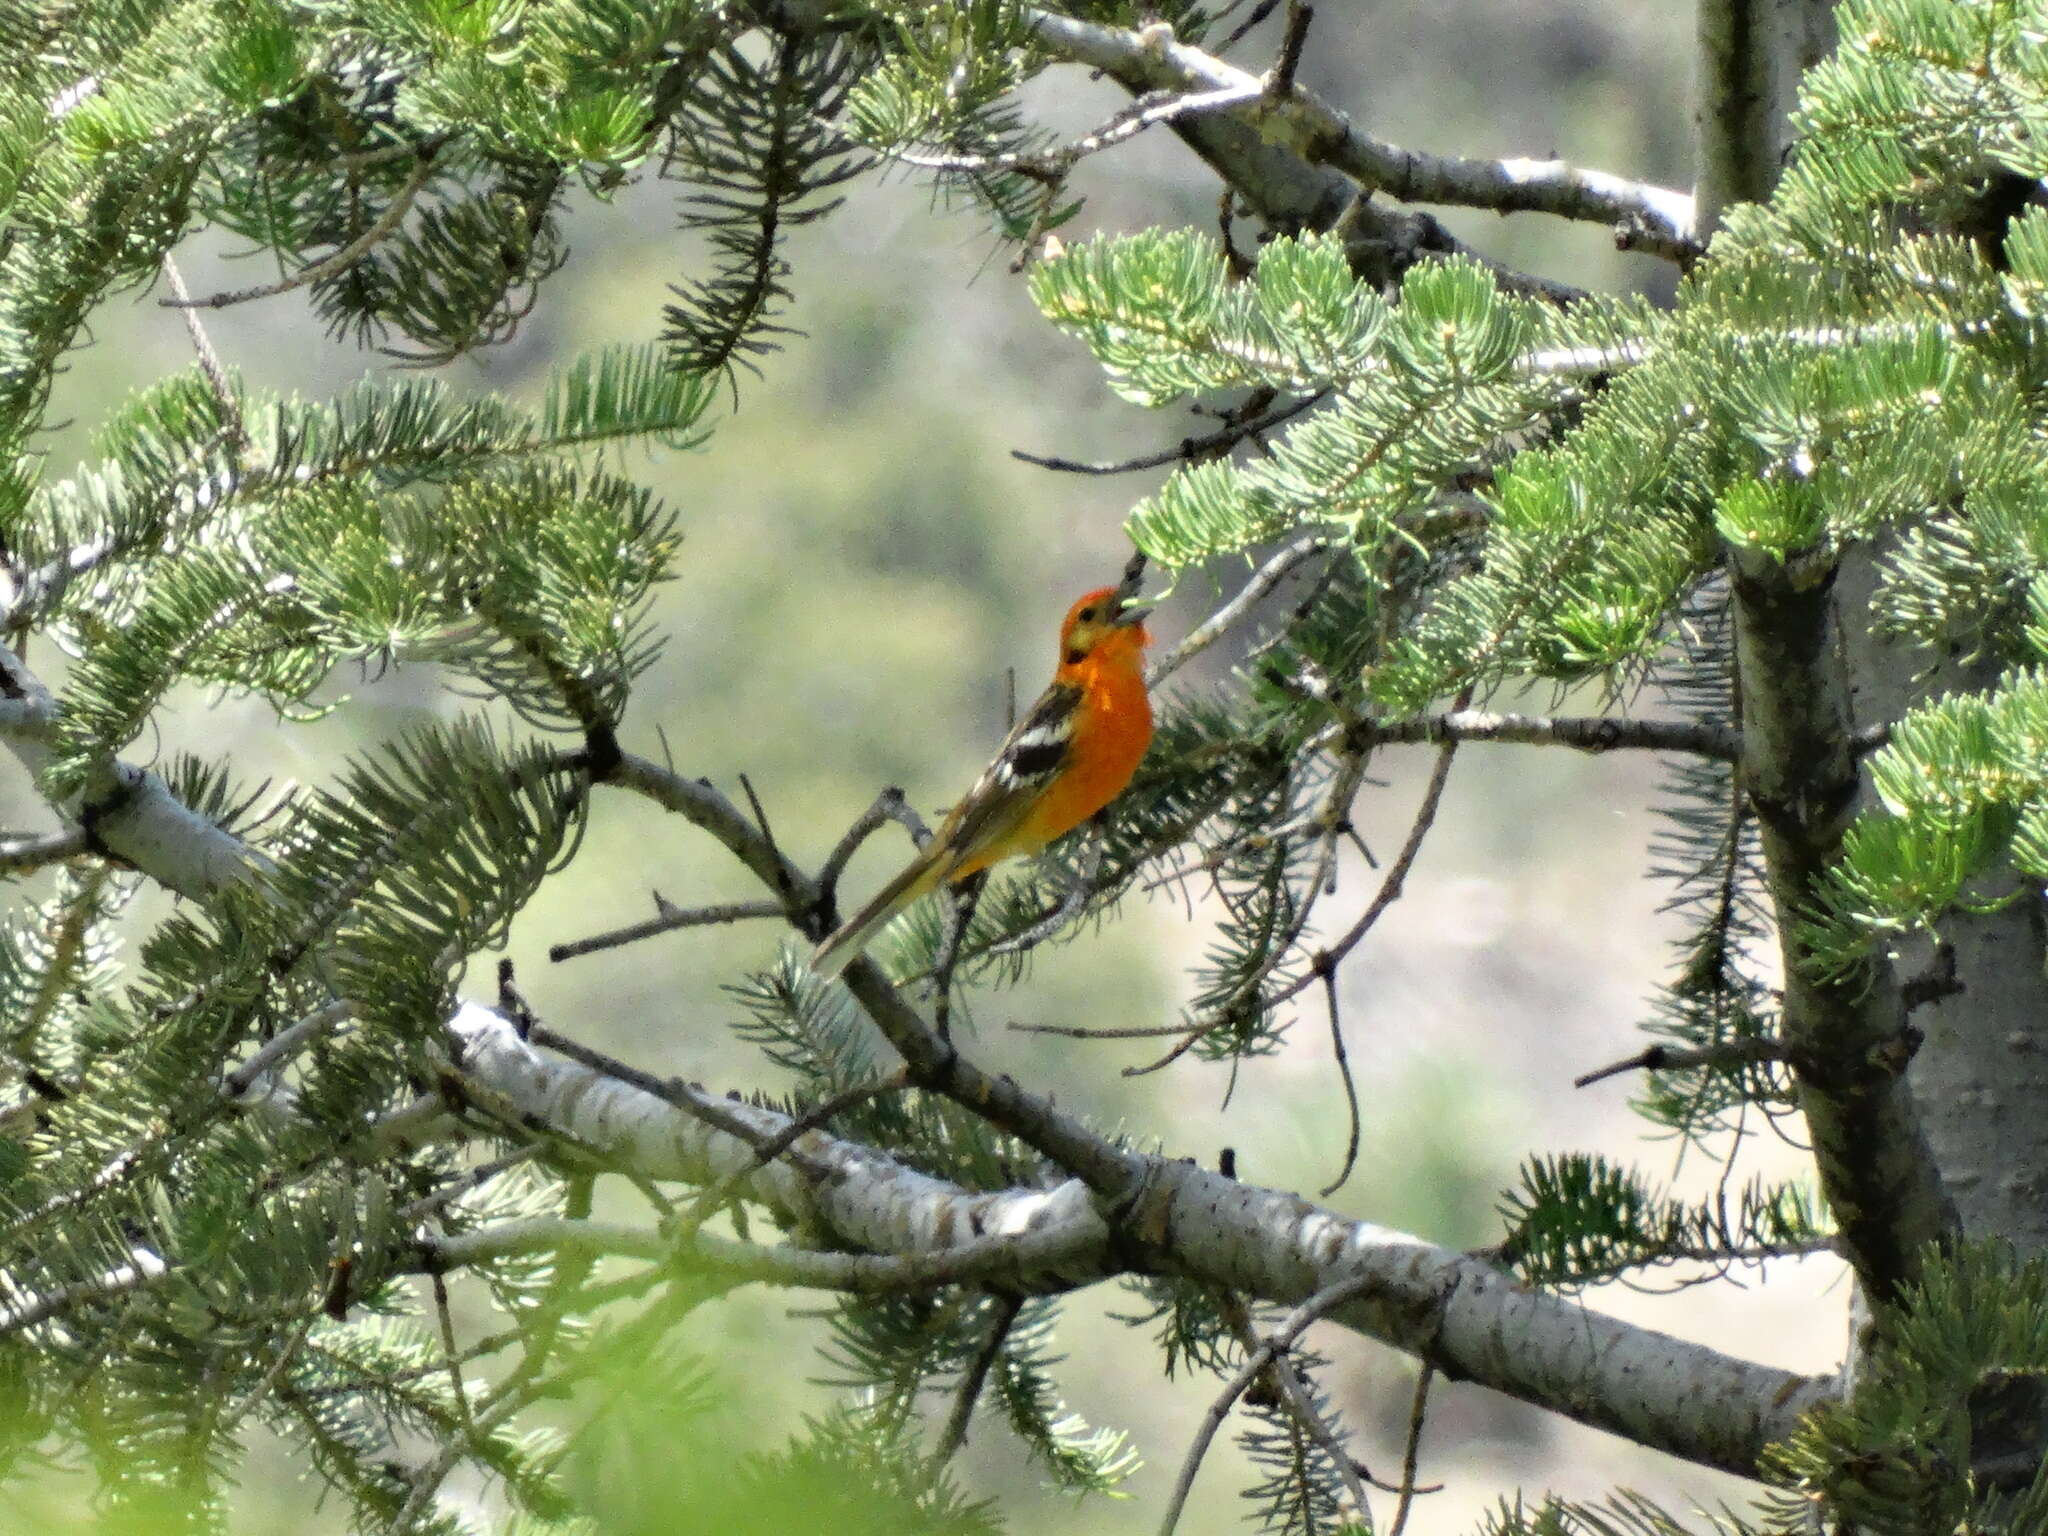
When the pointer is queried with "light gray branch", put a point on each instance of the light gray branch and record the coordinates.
(667, 919)
(19, 855)
(1027, 1261)
(26, 1309)
(284, 1045)
(1310, 134)
(1474, 1321)
(1224, 619)
(130, 812)
(823, 1185)
(1127, 124)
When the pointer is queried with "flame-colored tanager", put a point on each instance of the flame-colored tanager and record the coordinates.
(1071, 754)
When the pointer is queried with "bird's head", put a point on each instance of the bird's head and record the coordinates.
(1104, 624)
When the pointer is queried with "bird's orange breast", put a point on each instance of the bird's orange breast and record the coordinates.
(1111, 732)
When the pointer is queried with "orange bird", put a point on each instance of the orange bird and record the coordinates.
(1071, 754)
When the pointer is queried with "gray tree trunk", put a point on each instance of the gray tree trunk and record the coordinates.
(1981, 1075)
(1751, 55)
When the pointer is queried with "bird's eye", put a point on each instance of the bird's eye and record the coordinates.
(1076, 656)
(1087, 615)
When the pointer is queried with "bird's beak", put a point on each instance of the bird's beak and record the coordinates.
(1129, 616)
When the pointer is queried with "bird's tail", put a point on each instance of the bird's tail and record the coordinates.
(836, 952)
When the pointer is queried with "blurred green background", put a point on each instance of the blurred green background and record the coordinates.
(864, 560)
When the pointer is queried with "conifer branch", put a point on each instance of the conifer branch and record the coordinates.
(627, 1122)
(1444, 1306)
(1411, 1451)
(954, 1435)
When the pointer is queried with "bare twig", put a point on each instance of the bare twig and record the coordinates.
(889, 805)
(1597, 733)
(1052, 165)
(340, 261)
(697, 802)
(954, 1436)
(1412, 1449)
(1083, 1032)
(1280, 83)
(1258, 14)
(1075, 897)
(1350, 1088)
(1668, 1058)
(1397, 872)
(1329, 959)
(786, 881)
(271, 1376)
(209, 360)
(961, 898)
(1720, 1257)
(668, 919)
(451, 1354)
(1299, 1405)
(1263, 581)
(1191, 450)
(1295, 1324)
(1333, 816)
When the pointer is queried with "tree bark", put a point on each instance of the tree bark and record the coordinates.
(1751, 56)
(1981, 1074)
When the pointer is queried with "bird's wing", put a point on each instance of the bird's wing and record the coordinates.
(1031, 758)
(973, 834)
